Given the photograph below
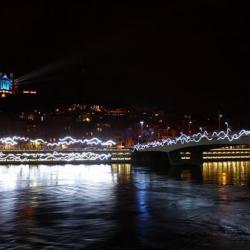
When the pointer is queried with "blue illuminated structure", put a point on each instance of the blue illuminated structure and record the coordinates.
(6, 84)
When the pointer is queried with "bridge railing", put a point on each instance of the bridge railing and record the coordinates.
(195, 138)
(19, 143)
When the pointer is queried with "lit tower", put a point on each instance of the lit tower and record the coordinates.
(6, 84)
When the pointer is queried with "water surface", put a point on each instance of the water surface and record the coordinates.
(120, 206)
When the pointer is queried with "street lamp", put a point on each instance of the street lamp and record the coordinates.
(201, 129)
(141, 133)
(219, 117)
(167, 130)
(226, 123)
(142, 123)
(189, 126)
(139, 139)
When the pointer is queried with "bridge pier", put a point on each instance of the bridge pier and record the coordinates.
(158, 159)
(193, 172)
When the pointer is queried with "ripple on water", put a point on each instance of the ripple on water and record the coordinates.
(118, 207)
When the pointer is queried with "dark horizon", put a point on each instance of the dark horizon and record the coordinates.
(183, 57)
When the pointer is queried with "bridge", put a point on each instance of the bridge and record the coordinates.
(189, 148)
(16, 150)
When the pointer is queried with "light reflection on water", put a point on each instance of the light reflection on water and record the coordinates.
(120, 206)
(224, 173)
(23, 176)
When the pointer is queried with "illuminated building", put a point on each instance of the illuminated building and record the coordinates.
(29, 92)
(6, 84)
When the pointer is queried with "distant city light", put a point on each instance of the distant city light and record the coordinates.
(30, 92)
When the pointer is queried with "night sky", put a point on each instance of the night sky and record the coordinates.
(185, 56)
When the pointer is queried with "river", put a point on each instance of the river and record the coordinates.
(122, 206)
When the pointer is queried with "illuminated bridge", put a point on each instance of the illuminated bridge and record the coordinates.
(64, 150)
(193, 149)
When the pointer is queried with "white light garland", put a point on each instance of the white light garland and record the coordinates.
(184, 139)
(12, 141)
(54, 156)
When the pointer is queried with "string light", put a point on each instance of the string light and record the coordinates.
(195, 138)
(61, 141)
(54, 156)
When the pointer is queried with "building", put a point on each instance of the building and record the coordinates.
(6, 84)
